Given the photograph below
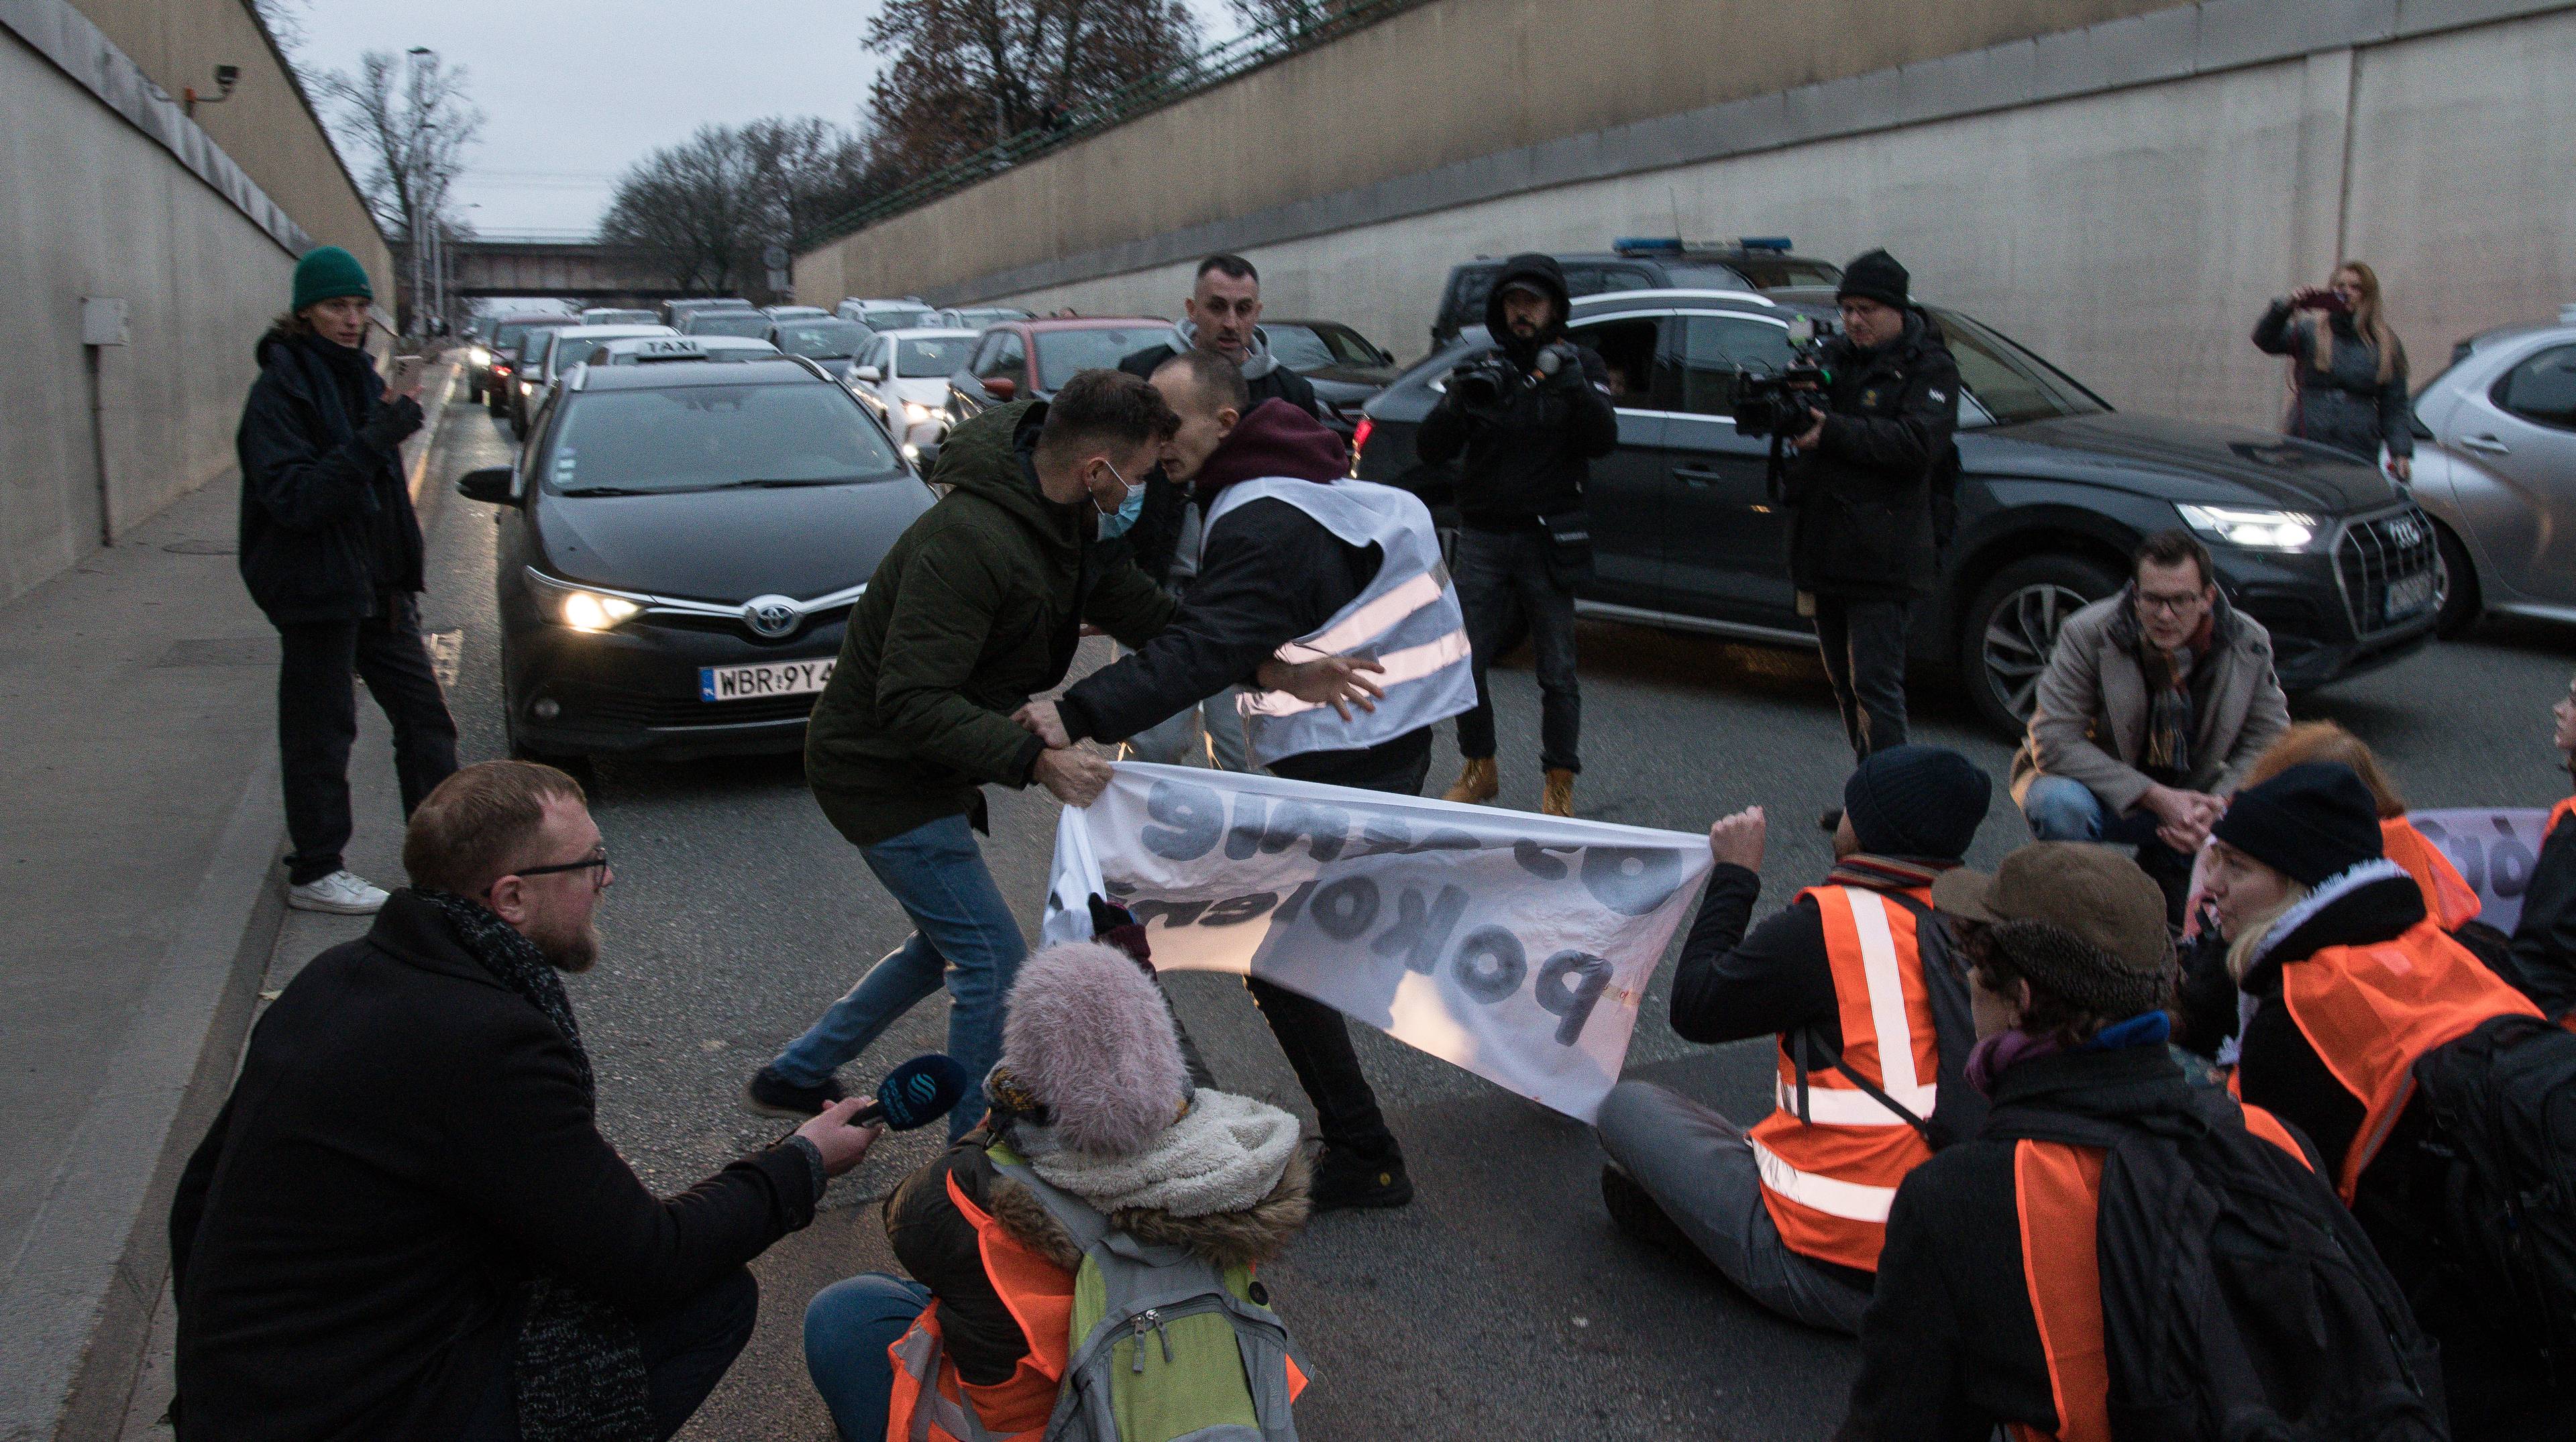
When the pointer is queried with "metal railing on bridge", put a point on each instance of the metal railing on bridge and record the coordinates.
(1318, 24)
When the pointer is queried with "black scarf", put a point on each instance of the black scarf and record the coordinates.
(579, 1367)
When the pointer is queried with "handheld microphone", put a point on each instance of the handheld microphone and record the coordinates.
(916, 1093)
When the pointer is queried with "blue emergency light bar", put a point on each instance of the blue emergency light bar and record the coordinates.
(1646, 244)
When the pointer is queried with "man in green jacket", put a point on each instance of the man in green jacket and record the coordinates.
(978, 605)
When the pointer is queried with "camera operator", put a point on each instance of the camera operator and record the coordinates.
(1862, 539)
(1528, 421)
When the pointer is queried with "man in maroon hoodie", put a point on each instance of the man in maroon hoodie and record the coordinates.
(1268, 574)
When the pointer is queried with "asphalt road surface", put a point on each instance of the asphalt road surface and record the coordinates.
(1501, 1303)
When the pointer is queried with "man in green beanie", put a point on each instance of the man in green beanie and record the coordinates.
(331, 551)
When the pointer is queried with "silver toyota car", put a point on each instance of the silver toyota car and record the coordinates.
(2495, 466)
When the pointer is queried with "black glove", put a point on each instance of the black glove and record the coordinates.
(1568, 371)
(392, 424)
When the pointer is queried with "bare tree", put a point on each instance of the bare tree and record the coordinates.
(966, 74)
(413, 123)
(285, 22)
(703, 211)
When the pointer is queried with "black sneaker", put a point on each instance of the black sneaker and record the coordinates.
(1638, 1215)
(1345, 1180)
(769, 1092)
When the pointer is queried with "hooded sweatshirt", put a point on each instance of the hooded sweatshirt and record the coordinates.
(1263, 375)
(976, 607)
(1532, 458)
(1268, 574)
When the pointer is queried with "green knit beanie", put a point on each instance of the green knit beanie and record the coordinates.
(326, 273)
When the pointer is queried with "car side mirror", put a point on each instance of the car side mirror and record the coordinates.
(869, 373)
(491, 485)
(1001, 388)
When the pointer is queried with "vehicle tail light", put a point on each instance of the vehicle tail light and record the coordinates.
(1359, 439)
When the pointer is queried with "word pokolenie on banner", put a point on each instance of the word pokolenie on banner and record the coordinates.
(1513, 944)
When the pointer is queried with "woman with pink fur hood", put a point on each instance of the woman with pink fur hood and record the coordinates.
(1093, 1095)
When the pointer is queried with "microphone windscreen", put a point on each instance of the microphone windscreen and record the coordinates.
(920, 1091)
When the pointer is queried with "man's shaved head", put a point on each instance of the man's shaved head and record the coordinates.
(1211, 382)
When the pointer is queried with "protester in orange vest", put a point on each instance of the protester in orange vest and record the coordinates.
(1990, 1309)
(2351, 983)
(1092, 1093)
(1793, 1210)
(2544, 941)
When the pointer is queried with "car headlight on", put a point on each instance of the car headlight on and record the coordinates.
(2252, 529)
(478, 357)
(590, 611)
(914, 412)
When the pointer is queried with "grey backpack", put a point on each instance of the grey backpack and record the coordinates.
(1165, 1345)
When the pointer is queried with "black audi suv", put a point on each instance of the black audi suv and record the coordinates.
(2055, 491)
(680, 546)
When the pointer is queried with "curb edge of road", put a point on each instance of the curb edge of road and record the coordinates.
(237, 907)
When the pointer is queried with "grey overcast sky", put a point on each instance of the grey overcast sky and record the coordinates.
(573, 91)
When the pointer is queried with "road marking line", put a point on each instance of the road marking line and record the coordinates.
(420, 468)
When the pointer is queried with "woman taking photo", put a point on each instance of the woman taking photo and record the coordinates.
(2347, 368)
(331, 551)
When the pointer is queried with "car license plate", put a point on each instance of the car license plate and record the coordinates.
(2409, 595)
(764, 678)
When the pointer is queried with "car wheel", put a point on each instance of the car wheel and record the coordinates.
(2455, 585)
(2012, 625)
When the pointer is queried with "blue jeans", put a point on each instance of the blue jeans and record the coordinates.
(848, 1327)
(2060, 808)
(964, 937)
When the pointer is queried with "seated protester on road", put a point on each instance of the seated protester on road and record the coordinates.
(1992, 1310)
(1091, 1095)
(2544, 940)
(976, 607)
(331, 553)
(1793, 1211)
(2351, 985)
(1295, 556)
(2154, 704)
(2207, 1003)
(405, 1223)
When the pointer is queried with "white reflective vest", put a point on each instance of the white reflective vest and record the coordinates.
(1407, 618)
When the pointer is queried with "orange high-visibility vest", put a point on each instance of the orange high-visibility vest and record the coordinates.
(1039, 1295)
(2058, 1189)
(2448, 897)
(2371, 1011)
(1829, 1178)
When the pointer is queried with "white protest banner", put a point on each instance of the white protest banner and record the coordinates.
(1514, 945)
(2495, 851)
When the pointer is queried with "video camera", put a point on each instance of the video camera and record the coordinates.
(1776, 402)
(1481, 384)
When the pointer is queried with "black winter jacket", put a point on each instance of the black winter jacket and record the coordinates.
(408, 1141)
(1268, 574)
(1950, 1348)
(326, 520)
(2346, 406)
(1533, 458)
(1862, 503)
(1729, 986)
(2544, 940)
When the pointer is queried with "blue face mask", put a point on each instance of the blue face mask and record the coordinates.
(1115, 524)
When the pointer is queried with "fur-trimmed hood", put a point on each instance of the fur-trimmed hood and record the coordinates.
(1250, 1237)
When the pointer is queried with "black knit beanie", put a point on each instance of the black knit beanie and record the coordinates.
(2313, 821)
(1876, 276)
(1916, 801)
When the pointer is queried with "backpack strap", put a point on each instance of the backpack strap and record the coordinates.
(1957, 1108)
(1083, 1222)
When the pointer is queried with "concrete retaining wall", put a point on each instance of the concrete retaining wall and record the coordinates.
(92, 206)
(2125, 198)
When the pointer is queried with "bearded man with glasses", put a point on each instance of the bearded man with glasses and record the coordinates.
(2154, 705)
(405, 1223)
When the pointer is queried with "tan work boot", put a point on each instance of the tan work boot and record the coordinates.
(1477, 784)
(1558, 799)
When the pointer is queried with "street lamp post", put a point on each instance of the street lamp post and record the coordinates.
(412, 184)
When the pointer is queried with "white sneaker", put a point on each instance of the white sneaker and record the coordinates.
(342, 893)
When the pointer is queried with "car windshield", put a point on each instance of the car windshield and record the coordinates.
(932, 357)
(2012, 384)
(570, 353)
(532, 341)
(901, 319)
(1299, 348)
(823, 339)
(1779, 273)
(619, 317)
(695, 438)
(982, 318)
(1063, 352)
(749, 324)
(508, 335)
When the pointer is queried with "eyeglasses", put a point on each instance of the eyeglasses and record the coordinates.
(2170, 605)
(585, 864)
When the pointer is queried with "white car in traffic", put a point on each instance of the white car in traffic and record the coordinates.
(903, 374)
